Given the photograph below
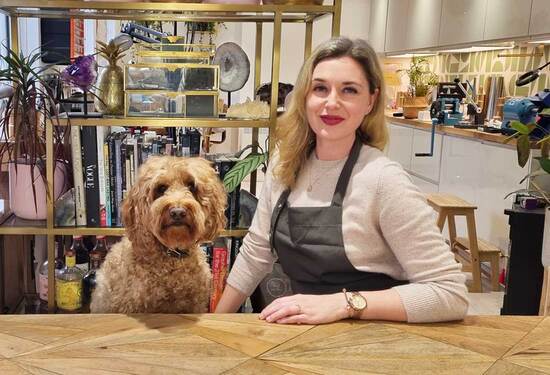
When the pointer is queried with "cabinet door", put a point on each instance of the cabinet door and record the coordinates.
(540, 17)
(462, 21)
(507, 19)
(426, 166)
(400, 145)
(423, 23)
(377, 24)
(396, 25)
(424, 185)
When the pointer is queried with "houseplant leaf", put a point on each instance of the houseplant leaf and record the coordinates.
(524, 148)
(519, 127)
(545, 164)
(242, 169)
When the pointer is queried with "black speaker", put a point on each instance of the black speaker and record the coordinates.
(55, 36)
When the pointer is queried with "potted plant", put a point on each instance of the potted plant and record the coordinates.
(26, 114)
(421, 82)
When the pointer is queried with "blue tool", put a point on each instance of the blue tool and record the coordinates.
(527, 110)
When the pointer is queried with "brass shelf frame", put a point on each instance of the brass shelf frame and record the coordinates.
(162, 122)
(259, 14)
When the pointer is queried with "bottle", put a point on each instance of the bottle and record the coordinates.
(68, 284)
(43, 282)
(81, 253)
(97, 256)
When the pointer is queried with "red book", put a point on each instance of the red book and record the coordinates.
(219, 275)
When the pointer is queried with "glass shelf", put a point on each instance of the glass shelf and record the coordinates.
(15, 225)
(116, 231)
(162, 122)
(169, 11)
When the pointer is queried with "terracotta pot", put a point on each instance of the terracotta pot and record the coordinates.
(21, 193)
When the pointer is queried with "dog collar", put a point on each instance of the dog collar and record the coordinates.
(177, 252)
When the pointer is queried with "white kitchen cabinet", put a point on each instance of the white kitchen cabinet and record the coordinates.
(482, 174)
(396, 25)
(377, 24)
(426, 166)
(540, 17)
(424, 185)
(423, 23)
(400, 145)
(507, 19)
(462, 21)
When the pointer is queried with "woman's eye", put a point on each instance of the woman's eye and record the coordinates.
(319, 88)
(350, 90)
(160, 190)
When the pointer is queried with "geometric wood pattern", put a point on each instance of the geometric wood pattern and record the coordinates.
(243, 344)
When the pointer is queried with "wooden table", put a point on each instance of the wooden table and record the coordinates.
(242, 344)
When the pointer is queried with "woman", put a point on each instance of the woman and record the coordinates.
(339, 215)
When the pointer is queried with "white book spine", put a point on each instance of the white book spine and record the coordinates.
(79, 197)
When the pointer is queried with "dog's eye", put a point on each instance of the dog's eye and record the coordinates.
(192, 188)
(159, 190)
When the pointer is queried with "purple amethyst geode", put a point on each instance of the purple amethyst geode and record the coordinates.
(82, 73)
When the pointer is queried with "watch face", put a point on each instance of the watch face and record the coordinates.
(358, 302)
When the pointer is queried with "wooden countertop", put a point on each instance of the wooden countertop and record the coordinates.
(450, 130)
(242, 344)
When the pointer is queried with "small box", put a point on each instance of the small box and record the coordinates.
(171, 104)
(171, 77)
(175, 53)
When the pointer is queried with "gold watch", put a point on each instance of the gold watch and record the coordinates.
(356, 302)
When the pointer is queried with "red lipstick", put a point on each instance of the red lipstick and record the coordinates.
(331, 120)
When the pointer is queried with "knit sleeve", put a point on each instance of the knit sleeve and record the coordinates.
(255, 259)
(436, 291)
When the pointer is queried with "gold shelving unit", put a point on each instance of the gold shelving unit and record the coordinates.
(114, 10)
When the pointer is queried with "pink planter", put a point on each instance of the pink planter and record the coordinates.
(255, 2)
(21, 194)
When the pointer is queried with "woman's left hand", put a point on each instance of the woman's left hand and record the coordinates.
(306, 309)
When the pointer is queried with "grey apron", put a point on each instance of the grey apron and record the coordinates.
(310, 244)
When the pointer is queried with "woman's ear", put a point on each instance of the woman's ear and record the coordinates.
(372, 101)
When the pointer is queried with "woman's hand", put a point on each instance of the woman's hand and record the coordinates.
(306, 309)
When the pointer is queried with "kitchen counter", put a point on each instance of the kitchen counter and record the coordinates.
(450, 130)
(243, 344)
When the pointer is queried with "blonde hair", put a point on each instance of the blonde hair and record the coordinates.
(293, 136)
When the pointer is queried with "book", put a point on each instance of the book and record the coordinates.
(79, 197)
(91, 178)
(102, 132)
(219, 272)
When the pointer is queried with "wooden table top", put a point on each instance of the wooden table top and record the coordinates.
(242, 344)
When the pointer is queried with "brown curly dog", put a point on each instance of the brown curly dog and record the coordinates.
(158, 267)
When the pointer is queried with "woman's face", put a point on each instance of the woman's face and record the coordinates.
(338, 100)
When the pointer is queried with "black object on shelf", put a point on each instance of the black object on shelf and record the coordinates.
(525, 270)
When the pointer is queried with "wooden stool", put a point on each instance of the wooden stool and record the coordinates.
(544, 308)
(448, 206)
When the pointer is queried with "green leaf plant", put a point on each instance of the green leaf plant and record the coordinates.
(26, 114)
(523, 147)
(244, 167)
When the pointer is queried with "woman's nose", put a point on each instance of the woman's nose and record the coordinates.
(333, 99)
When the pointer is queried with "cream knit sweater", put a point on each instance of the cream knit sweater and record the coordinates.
(387, 228)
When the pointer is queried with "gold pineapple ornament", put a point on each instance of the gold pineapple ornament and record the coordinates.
(109, 98)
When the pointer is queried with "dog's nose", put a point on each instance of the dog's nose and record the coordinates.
(177, 213)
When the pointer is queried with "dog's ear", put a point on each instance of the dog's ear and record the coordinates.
(213, 198)
(134, 205)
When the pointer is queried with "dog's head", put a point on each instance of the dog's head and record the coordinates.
(180, 201)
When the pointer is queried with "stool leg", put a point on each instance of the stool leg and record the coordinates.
(544, 294)
(474, 252)
(441, 219)
(495, 270)
(452, 229)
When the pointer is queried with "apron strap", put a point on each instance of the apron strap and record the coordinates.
(281, 203)
(343, 180)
